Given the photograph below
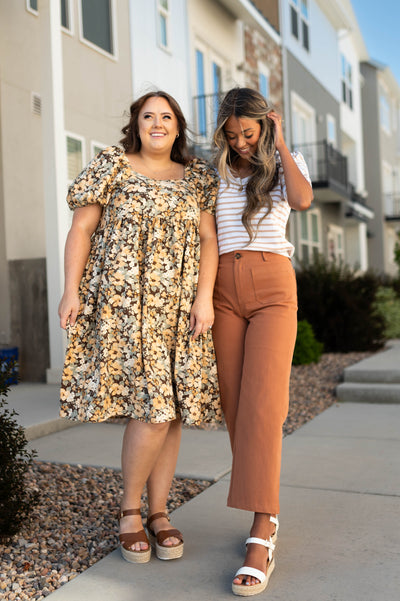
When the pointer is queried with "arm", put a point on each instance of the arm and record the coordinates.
(299, 191)
(77, 248)
(202, 313)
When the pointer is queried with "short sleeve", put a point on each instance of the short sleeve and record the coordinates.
(301, 164)
(94, 183)
(206, 180)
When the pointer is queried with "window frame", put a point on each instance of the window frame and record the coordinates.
(70, 12)
(264, 71)
(78, 138)
(311, 245)
(347, 95)
(331, 121)
(334, 232)
(206, 111)
(385, 126)
(162, 12)
(113, 12)
(302, 34)
(31, 10)
(93, 145)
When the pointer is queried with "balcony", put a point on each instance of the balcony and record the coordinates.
(205, 111)
(328, 171)
(392, 207)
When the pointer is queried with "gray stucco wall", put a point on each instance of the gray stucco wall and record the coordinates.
(310, 89)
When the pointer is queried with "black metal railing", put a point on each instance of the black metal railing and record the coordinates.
(355, 197)
(205, 108)
(325, 163)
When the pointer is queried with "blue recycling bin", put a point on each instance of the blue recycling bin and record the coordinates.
(8, 356)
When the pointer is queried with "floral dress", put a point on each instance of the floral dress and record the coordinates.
(130, 352)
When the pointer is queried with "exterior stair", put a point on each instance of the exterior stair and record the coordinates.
(373, 380)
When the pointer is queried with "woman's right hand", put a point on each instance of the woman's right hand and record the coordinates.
(68, 309)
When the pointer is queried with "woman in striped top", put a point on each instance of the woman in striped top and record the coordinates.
(255, 304)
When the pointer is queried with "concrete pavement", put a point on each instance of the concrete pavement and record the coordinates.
(340, 513)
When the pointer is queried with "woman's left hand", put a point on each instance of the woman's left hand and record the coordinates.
(201, 317)
(277, 120)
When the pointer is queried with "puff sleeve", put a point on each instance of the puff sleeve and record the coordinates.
(206, 180)
(301, 164)
(94, 183)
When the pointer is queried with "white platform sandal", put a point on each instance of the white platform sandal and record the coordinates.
(275, 521)
(245, 590)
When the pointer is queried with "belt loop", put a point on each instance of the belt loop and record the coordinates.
(264, 255)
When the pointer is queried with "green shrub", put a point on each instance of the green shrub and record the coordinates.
(307, 348)
(16, 502)
(387, 304)
(339, 305)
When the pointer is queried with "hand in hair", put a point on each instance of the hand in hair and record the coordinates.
(277, 121)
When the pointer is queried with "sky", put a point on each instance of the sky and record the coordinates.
(379, 23)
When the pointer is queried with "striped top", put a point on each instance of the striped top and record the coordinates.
(271, 234)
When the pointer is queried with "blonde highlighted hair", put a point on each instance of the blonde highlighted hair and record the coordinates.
(249, 104)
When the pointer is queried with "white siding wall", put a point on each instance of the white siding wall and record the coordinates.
(154, 66)
(321, 59)
(351, 120)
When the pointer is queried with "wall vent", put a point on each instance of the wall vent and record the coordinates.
(36, 102)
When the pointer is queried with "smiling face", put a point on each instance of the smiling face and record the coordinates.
(158, 125)
(242, 135)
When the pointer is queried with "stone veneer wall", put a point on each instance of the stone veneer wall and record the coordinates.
(264, 49)
(29, 317)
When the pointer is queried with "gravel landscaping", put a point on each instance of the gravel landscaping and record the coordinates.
(75, 524)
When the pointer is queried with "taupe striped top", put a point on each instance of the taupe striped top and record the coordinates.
(271, 234)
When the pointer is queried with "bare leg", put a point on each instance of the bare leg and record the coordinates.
(160, 479)
(256, 555)
(141, 448)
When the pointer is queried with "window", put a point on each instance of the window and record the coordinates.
(331, 130)
(384, 108)
(347, 82)
(201, 101)
(299, 21)
(309, 235)
(66, 18)
(335, 244)
(209, 70)
(32, 6)
(263, 80)
(97, 24)
(96, 147)
(217, 88)
(163, 23)
(74, 156)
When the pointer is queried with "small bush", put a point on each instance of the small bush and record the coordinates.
(387, 304)
(339, 305)
(16, 503)
(307, 348)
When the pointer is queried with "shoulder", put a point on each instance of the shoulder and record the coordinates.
(202, 170)
(298, 157)
(111, 154)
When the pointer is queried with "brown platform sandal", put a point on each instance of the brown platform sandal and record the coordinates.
(162, 551)
(127, 539)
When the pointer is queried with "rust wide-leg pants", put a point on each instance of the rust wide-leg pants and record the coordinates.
(254, 333)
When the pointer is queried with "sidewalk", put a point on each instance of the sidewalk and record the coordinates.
(340, 513)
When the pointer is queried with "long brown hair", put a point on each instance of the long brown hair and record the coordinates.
(249, 104)
(131, 141)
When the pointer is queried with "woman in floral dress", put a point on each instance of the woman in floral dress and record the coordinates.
(140, 265)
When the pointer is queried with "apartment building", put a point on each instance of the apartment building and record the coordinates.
(320, 39)
(381, 127)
